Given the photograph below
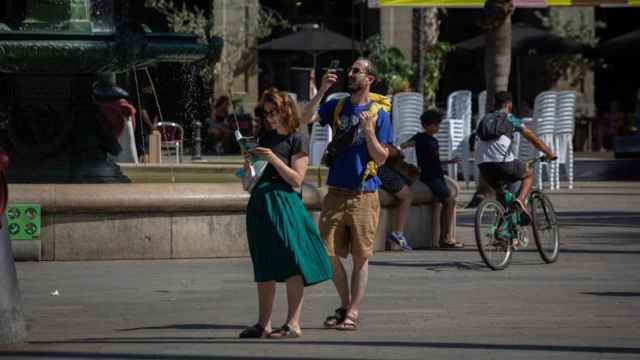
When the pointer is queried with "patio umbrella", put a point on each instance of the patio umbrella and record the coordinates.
(527, 40)
(313, 42)
(618, 45)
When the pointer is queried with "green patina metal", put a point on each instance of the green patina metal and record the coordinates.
(78, 37)
(52, 62)
(75, 53)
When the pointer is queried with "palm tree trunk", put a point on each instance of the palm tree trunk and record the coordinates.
(497, 60)
(497, 63)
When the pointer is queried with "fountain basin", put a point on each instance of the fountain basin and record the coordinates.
(172, 221)
(90, 53)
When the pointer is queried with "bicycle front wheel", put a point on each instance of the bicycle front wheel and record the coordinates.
(493, 235)
(545, 227)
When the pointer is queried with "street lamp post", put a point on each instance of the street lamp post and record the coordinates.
(12, 326)
(418, 46)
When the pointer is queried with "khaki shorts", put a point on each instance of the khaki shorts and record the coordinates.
(349, 221)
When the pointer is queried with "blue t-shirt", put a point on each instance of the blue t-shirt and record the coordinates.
(349, 165)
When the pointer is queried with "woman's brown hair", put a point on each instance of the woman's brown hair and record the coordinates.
(285, 106)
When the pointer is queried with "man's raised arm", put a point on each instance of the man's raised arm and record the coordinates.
(310, 110)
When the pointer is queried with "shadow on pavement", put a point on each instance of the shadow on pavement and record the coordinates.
(95, 355)
(368, 344)
(458, 265)
(614, 293)
(188, 327)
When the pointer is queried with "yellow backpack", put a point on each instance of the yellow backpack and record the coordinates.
(377, 102)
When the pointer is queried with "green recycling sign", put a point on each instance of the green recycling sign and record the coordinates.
(24, 221)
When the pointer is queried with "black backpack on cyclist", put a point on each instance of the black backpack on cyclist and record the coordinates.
(494, 125)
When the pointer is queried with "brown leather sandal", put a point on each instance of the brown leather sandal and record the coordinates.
(350, 323)
(451, 245)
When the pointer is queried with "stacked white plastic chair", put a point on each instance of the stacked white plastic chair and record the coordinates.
(563, 134)
(543, 124)
(482, 105)
(405, 113)
(321, 135)
(450, 140)
(457, 126)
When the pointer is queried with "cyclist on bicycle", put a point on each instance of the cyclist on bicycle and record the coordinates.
(493, 152)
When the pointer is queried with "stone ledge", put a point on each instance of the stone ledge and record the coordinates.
(175, 221)
(168, 197)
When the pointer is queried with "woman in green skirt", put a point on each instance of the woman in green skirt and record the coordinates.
(284, 242)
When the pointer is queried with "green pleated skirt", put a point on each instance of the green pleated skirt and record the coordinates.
(283, 240)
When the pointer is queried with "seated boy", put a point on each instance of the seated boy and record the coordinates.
(432, 175)
(398, 186)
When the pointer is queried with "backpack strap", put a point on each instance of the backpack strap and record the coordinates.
(336, 113)
(377, 102)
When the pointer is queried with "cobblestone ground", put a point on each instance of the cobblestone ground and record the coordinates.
(419, 305)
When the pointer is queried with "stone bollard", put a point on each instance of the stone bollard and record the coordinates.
(197, 141)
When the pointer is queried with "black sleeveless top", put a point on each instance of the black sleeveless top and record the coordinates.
(284, 147)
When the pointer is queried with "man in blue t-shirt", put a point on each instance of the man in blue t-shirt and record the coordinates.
(351, 208)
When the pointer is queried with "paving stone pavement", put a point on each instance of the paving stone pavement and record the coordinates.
(419, 305)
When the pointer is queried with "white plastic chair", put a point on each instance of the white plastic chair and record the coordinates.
(543, 124)
(320, 137)
(406, 108)
(482, 104)
(172, 139)
(450, 138)
(459, 107)
(563, 134)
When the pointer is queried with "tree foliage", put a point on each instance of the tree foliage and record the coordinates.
(394, 70)
(239, 54)
(396, 73)
(581, 30)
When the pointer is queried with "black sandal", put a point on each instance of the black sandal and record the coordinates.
(337, 318)
(254, 332)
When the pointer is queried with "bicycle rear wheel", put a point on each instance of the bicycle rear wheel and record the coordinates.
(495, 250)
(545, 227)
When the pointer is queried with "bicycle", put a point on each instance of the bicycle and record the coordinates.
(499, 230)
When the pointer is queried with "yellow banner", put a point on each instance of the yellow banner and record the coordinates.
(558, 2)
(432, 3)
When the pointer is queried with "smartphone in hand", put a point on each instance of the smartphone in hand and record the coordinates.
(333, 67)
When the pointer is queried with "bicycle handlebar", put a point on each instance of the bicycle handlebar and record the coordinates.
(541, 158)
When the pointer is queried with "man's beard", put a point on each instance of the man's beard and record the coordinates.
(356, 83)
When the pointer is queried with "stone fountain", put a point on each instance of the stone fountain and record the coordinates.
(53, 131)
(59, 159)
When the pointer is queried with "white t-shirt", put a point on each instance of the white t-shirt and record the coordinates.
(498, 150)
